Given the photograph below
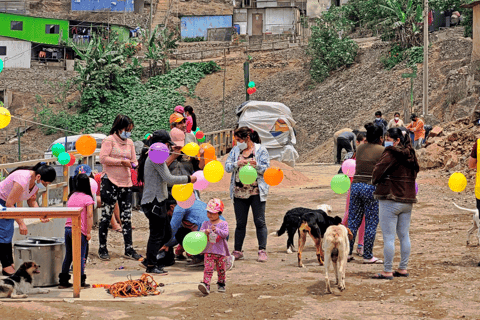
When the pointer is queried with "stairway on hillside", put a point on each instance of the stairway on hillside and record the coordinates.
(161, 13)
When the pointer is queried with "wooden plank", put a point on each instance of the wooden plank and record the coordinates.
(65, 182)
(76, 251)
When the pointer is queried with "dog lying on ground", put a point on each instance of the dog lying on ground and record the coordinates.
(19, 285)
(292, 222)
(336, 245)
(475, 223)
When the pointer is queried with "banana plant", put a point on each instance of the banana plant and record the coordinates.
(405, 21)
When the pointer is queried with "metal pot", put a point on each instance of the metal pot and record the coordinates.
(46, 252)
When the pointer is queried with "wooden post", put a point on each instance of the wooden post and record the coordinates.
(45, 197)
(76, 247)
(246, 76)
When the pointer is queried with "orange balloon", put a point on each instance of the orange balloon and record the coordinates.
(86, 145)
(273, 176)
(209, 154)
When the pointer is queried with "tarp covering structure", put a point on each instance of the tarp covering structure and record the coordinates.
(274, 123)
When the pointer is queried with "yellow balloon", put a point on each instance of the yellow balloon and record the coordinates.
(457, 182)
(191, 149)
(5, 117)
(181, 192)
(213, 171)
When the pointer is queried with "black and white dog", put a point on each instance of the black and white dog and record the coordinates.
(19, 285)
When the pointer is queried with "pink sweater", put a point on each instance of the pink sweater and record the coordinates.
(113, 151)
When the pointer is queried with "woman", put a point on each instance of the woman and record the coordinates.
(395, 175)
(362, 202)
(396, 122)
(248, 150)
(117, 156)
(21, 184)
(191, 119)
(155, 178)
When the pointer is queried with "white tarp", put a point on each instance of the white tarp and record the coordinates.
(274, 123)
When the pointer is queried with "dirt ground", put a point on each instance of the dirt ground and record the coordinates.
(442, 284)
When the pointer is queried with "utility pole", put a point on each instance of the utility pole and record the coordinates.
(151, 14)
(425, 58)
(224, 75)
(19, 148)
(246, 76)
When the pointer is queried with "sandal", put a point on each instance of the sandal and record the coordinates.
(382, 277)
(119, 229)
(350, 258)
(374, 260)
(398, 274)
(360, 250)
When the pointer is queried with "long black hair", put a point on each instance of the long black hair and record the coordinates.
(81, 183)
(189, 109)
(406, 143)
(154, 138)
(244, 132)
(121, 122)
(47, 173)
(374, 133)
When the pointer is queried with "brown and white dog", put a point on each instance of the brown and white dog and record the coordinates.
(475, 223)
(336, 246)
(19, 285)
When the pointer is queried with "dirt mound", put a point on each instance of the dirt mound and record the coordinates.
(291, 177)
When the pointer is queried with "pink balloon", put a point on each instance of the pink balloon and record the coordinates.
(348, 167)
(201, 183)
(94, 186)
(187, 204)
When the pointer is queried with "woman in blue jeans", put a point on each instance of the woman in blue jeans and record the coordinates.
(394, 175)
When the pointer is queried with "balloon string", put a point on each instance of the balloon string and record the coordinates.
(37, 123)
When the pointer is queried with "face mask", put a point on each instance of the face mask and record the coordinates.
(397, 118)
(125, 135)
(388, 144)
(38, 184)
(242, 145)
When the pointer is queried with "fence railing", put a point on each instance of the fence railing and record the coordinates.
(222, 140)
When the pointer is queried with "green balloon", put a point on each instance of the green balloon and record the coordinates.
(57, 149)
(1, 65)
(202, 140)
(251, 84)
(247, 174)
(146, 136)
(195, 242)
(340, 183)
(63, 158)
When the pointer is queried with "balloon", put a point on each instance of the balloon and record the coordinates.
(94, 186)
(63, 158)
(457, 182)
(1, 65)
(201, 183)
(251, 84)
(416, 188)
(147, 136)
(213, 171)
(72, 160)
(158, 153)
(209, 154)
(273, 176)
(187, 204)
(5, 117)
(247, 174)
(181, 192)
(195, 242)
(199, 135)
(202, 140)
(57, 149)
(254, 90)
(348, 167)
(86, 145)
(250, 90)
(340, 183)
(191, 149)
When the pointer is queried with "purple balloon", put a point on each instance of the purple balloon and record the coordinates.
(158, 152)
(201, 183)
(416, 188)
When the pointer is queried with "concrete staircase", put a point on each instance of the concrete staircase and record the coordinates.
(161, 14)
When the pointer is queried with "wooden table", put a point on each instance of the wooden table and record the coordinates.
(53, 212)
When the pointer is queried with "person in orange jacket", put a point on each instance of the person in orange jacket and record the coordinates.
(417, 127)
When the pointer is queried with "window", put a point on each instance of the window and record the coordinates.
(52, 29)
(16, 25)
(3, 51)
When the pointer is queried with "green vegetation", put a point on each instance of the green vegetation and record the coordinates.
(194, 39)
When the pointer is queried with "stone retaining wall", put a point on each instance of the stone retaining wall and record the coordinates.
(33, 80)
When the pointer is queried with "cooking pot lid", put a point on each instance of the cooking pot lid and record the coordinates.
(43, 239)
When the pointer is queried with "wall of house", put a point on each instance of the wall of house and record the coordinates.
(196, 26)
(33, 28)
(275, 20)
(102, 5)
(266, 3)
(251, 12)
(18, 53)
(240, 18)
(316, 7)
(476, 33)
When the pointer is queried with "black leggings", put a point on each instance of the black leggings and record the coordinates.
(241, 207)
(6, 255)
(160, 230)
(343, 144)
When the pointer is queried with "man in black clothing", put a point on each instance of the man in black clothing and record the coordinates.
(345, 141)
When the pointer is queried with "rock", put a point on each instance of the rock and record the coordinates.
(264, 297)
(452, 162)
(234, 295)
(436, 131)
(69, 300)
(228, 311)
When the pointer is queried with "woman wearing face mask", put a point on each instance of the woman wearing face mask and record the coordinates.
(117, 156)
(21, 184)
(248, 151)
(396, 122)
(394, 175)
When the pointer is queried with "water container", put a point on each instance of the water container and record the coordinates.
(237, 28)
(46, 252)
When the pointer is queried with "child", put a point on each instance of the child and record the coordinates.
(216, 251)
(80, 196)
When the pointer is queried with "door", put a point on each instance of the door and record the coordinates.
(257, 24)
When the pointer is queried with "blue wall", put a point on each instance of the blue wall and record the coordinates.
(101, 5)
(192, 27)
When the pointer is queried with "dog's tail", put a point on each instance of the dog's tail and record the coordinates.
(461, 208)
(280, 231)
(334, 254)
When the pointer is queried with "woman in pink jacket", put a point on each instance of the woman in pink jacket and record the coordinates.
(117, 156)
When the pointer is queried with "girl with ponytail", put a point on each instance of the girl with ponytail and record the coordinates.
(191, 119)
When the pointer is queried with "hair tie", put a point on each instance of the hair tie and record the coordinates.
(251, 130)
(43, 163)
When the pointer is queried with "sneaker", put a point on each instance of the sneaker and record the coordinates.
(103, 255)
(204, 288)
(230, 260)
(143, 264)
(66, 285)
(221, 287)
(132, 254)
(180, 257)
(195, 262)
(237, 254)
(157, 270)
(262, 256)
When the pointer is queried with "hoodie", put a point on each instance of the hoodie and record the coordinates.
(394, 175)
